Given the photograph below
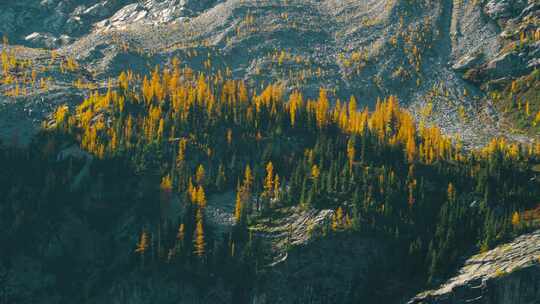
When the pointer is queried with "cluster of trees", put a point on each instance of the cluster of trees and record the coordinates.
(20, 75)
(15, 72)
(39, 202)
(519, 100)
(164, 145)
(380, 171)
(527, 37)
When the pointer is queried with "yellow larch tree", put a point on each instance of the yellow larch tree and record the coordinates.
(321, 109)
(315, 172)
(269, 180)
(337, 219)
(142, 246)
(143, 243)
(166, 187)
(200, 175)
(201, 197)
(181, 232)
(410, 148)
(516, 219)
(248, 178)
(239, 205)
(181, 154)
(242, 92)
(352, 106)
(199, 243)
(451, 192)
(351, 152)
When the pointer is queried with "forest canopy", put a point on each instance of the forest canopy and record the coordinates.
(179, 137)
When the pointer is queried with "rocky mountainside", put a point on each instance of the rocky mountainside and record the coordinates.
(441, 58)
(467, 66)
(509, 273)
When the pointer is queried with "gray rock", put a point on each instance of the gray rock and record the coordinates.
(508, 274)
(497, 9)
(530, 9)
(65, 39)
(533, 63)
(315, 31)
(535, 48)
(509, 64)
(42, 40)
(74, 25)
(325, 268)
(99, 10)
(49, 3)
(507, 34)
(467, 62)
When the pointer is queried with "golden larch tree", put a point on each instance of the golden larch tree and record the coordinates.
(199, 243)
(269, 180)
(201, 197)
(199, 175)
(516, 219)
(351, 152)
(239, 205)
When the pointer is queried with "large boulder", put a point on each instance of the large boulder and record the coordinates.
(42, 40)
(466, 62)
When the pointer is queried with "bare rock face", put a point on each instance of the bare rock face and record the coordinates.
(42, 40)
(467, 62)
(502, 9)
(508, 274)
(154, 12)
(327, 270)
(509, 64)
(497, 9)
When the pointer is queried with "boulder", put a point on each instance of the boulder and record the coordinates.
(466, 62)
(42, 40)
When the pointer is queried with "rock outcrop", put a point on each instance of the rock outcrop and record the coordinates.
(329, 270)
(508, 274)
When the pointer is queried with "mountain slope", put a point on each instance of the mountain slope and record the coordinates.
(509, 273)
(431, 54)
